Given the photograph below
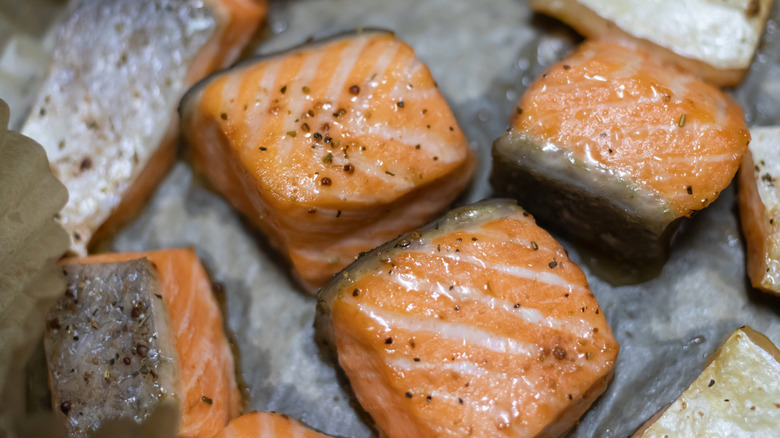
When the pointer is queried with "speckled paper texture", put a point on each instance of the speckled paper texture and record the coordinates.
(483, 55)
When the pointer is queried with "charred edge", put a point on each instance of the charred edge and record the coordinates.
(309, 42)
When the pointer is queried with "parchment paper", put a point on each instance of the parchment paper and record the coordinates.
(483, 55)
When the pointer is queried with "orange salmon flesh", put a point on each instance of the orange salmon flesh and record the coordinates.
(479, 325)
(331, 148)
(652, 125)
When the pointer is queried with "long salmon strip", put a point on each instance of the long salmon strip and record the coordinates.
(331, 148)
(477, 324)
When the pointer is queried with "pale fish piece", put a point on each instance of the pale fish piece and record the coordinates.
(106, 112)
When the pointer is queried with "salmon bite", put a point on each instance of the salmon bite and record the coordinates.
(330, 148)
(614, 148)
(134, 331)
(477, 324)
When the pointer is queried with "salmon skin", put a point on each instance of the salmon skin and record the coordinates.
(330, 148)
(203, 380)
(714, 39)
(613, 148)
(106, 112)
(106, 362)
(266, 425)
(477, 324)
(759, 208)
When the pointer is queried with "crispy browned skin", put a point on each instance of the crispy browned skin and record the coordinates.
(331, 149)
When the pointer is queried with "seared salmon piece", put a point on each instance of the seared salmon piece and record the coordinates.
(106, 334)
(759, 208)
(714, 39)
(106, 112)
(613, 148)
(266, 425)
(477, 324)
(330, 148)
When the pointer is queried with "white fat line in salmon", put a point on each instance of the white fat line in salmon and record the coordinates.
(411, 68)
(460, 294)
(401, 94)
(721, 113)
(298, 99)
(516, 271)
(630, 68)
(349, 58)
(480, 405)
(463, 333)
(598, 107)
(376, 169)
(710, 159)
(230, 92)
(484, 378)
(360, 102)
(444, 152)
(679, 86)
(258, 113)
(460, 366)
(483, 234)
